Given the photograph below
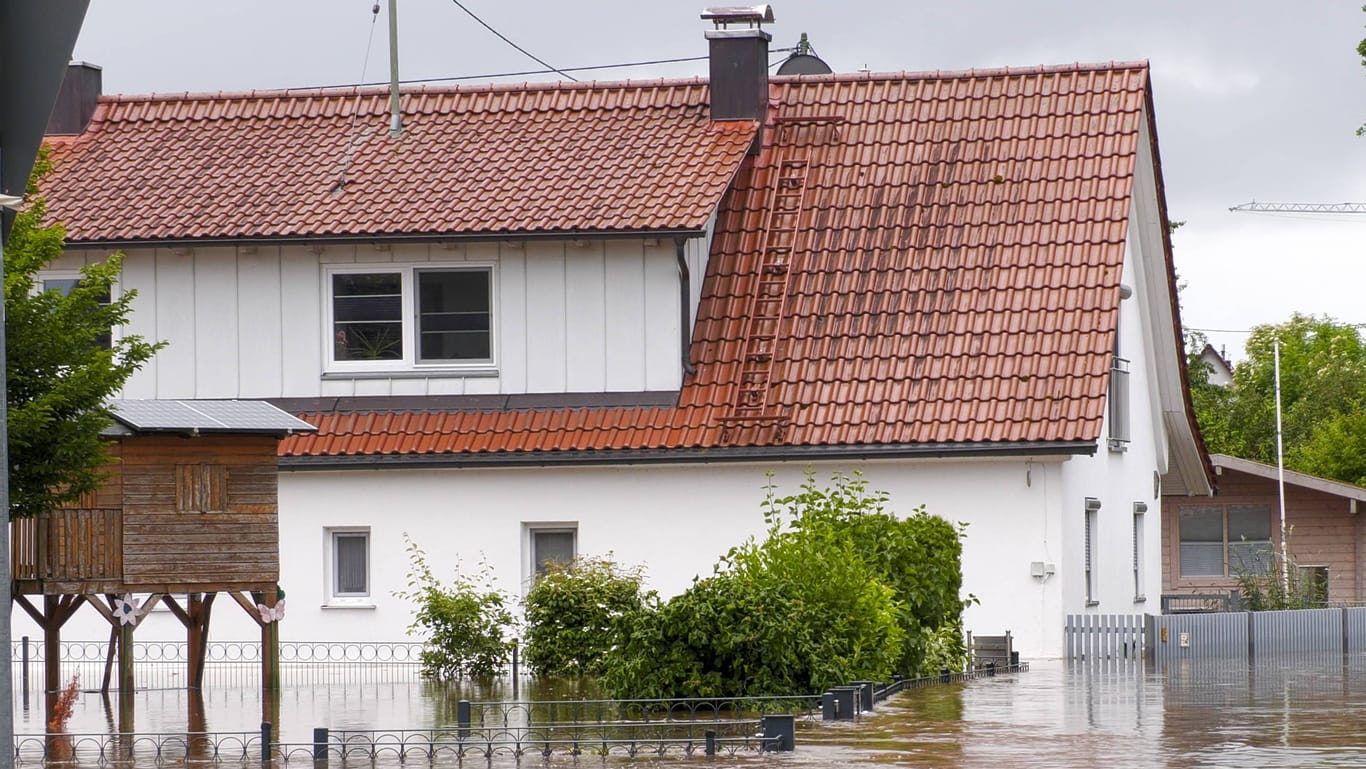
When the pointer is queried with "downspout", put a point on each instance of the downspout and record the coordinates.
(684, 300)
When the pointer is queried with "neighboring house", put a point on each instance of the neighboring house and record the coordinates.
(1219, 370)
(588, 318)
(1210, 542)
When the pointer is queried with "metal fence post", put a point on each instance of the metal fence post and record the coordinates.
(320, 744)
(780, 732)
(462, 717)
(24, 674)
(265, 742)
(710, 734)
(515, 665)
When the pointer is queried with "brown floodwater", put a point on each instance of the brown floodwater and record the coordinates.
(1295, 713)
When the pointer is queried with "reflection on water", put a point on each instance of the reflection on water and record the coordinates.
(1292, 714)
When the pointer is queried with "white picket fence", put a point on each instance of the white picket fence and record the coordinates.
(1104, 637)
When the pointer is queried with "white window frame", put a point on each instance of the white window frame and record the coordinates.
(529, 532)
(332, 597)
(42, 276)
(408, 315)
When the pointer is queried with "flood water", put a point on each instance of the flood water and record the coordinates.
(1056, 715)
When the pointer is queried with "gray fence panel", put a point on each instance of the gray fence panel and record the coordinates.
(1297, 632)
(1354, 628)
(1178, 636)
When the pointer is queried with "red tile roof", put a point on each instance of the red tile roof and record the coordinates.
(956, 268)
(565, 158)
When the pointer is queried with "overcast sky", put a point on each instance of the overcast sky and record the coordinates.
(1255, 99)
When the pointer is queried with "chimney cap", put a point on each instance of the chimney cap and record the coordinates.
(739, 14)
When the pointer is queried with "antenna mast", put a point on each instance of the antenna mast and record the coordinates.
(395, 116)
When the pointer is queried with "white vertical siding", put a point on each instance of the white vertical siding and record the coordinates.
(139, 274)
(596, 316)
(215, 318)
(512, 315)
(663, 359)
(625, 306)
(585, 290)
(259, 315)
(174, 298)
(301, 322)
(545, 316)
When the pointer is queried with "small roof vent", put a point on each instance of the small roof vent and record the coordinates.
(750, 15)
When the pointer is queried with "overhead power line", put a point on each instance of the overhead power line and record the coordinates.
(505, 39)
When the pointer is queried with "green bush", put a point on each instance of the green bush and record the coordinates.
(839, 590)
(919, 557)
(574, 614)
(463, 624)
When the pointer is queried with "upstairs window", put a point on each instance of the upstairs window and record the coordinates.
(64, 284)
(1119, 404)
(395, 318)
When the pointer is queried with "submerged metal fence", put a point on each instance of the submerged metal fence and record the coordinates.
(1254, 635)
(162, 663)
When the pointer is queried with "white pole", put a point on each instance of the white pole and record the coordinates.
(1280, 468)
(395, 117)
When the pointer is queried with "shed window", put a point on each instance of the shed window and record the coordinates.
(1224, 540)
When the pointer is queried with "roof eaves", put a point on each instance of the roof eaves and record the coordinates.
(1293, 477)
(392, 238)
(691, 455)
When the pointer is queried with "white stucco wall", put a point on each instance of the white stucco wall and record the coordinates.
(674, 520)
(568, 316)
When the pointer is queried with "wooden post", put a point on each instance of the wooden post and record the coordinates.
(126, 678)
(52, 655)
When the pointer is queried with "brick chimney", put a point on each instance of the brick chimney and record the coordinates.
(77, 100)
(739, 64)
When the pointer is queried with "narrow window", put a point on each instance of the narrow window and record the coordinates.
(453, 312)
(552, 546)
(1201, 533)
(1119, 404)
(1249, 539)
(367, 316)
(350, 564)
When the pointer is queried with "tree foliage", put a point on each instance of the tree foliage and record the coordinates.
(62, 367)
(839, 590)
(575, 614)
(1323, 399)
(464, 623)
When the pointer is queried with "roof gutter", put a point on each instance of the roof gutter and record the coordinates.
(687, 456)
(396, 238)
(684, 313)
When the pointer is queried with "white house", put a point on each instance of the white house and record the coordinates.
(590, 317)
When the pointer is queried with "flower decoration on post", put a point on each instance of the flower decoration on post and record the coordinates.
(126, 610)
(272, 614)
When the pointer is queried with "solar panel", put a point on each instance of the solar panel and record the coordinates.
(227, 416)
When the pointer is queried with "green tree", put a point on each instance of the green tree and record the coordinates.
(1323, 399)
(62, 367)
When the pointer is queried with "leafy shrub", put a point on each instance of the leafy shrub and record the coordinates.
(839, 590)
(464, 624)
(919, 557)
(574, 614)
(792, 615)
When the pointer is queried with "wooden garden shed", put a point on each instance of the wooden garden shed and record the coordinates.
(189, 510)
